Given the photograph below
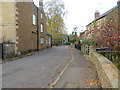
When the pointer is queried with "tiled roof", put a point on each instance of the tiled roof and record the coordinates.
(105, 14)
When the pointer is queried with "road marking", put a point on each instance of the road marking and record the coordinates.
(61, 73)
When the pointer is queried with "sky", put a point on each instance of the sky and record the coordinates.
(81, 12)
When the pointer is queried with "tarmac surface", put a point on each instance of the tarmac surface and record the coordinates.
(35, 71)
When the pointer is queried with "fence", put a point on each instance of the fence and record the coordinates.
(85, 49)
(111, 55)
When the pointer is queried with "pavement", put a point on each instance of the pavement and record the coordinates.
(0, 61)
(80, 73)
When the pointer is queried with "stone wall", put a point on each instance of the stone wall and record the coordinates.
(26, 39)
(119, 23)
(42, 34)
(7, 22)
(9, 51)
(48, 41)
(107, 72)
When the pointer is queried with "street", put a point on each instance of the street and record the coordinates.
(59, 44)
(36, 71)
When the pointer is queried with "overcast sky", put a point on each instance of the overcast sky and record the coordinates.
(81, 12)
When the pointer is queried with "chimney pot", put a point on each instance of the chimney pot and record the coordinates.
(40, 3)
(97, 14)
(118, 3)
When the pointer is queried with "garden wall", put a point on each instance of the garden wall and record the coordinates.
(9, 51)
(107, 72)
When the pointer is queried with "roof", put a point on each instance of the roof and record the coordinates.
(104, 14)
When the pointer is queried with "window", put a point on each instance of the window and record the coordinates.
(34, 19)
(46, 41)
(41, 15)
(41, 27)
(49, 41)
(88, 28)
(98, 24)
(41, 40)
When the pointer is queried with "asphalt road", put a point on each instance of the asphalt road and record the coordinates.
(36, 71)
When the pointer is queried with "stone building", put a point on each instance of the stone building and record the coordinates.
(48, 40)
(8, 22)
(112, 15)
(113, 12)
(26, 38)
(24, 26)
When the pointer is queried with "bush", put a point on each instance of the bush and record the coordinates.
(117, 64)
(112, 56)
(68, 43)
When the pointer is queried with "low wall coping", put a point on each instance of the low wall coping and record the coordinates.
(110, 71)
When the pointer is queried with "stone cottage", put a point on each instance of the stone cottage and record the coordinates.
(103, 21)
(23, 27)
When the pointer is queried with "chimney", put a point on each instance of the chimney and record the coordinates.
(97, 14)
(40, 3)
(118, 3)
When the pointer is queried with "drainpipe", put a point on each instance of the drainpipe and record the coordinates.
(51, 41)
(37, 30)
(2, 51)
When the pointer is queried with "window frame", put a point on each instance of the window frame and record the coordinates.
(34, 19)
(41, 15)
(41, 28)
(49, 40)
(42, 40)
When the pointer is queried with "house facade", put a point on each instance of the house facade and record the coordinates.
(24, 26)
(48, 40)
(8, 22)
(26, 14)
(109, 22)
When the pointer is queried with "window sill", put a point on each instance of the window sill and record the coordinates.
(34, 25)
(42, 44)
